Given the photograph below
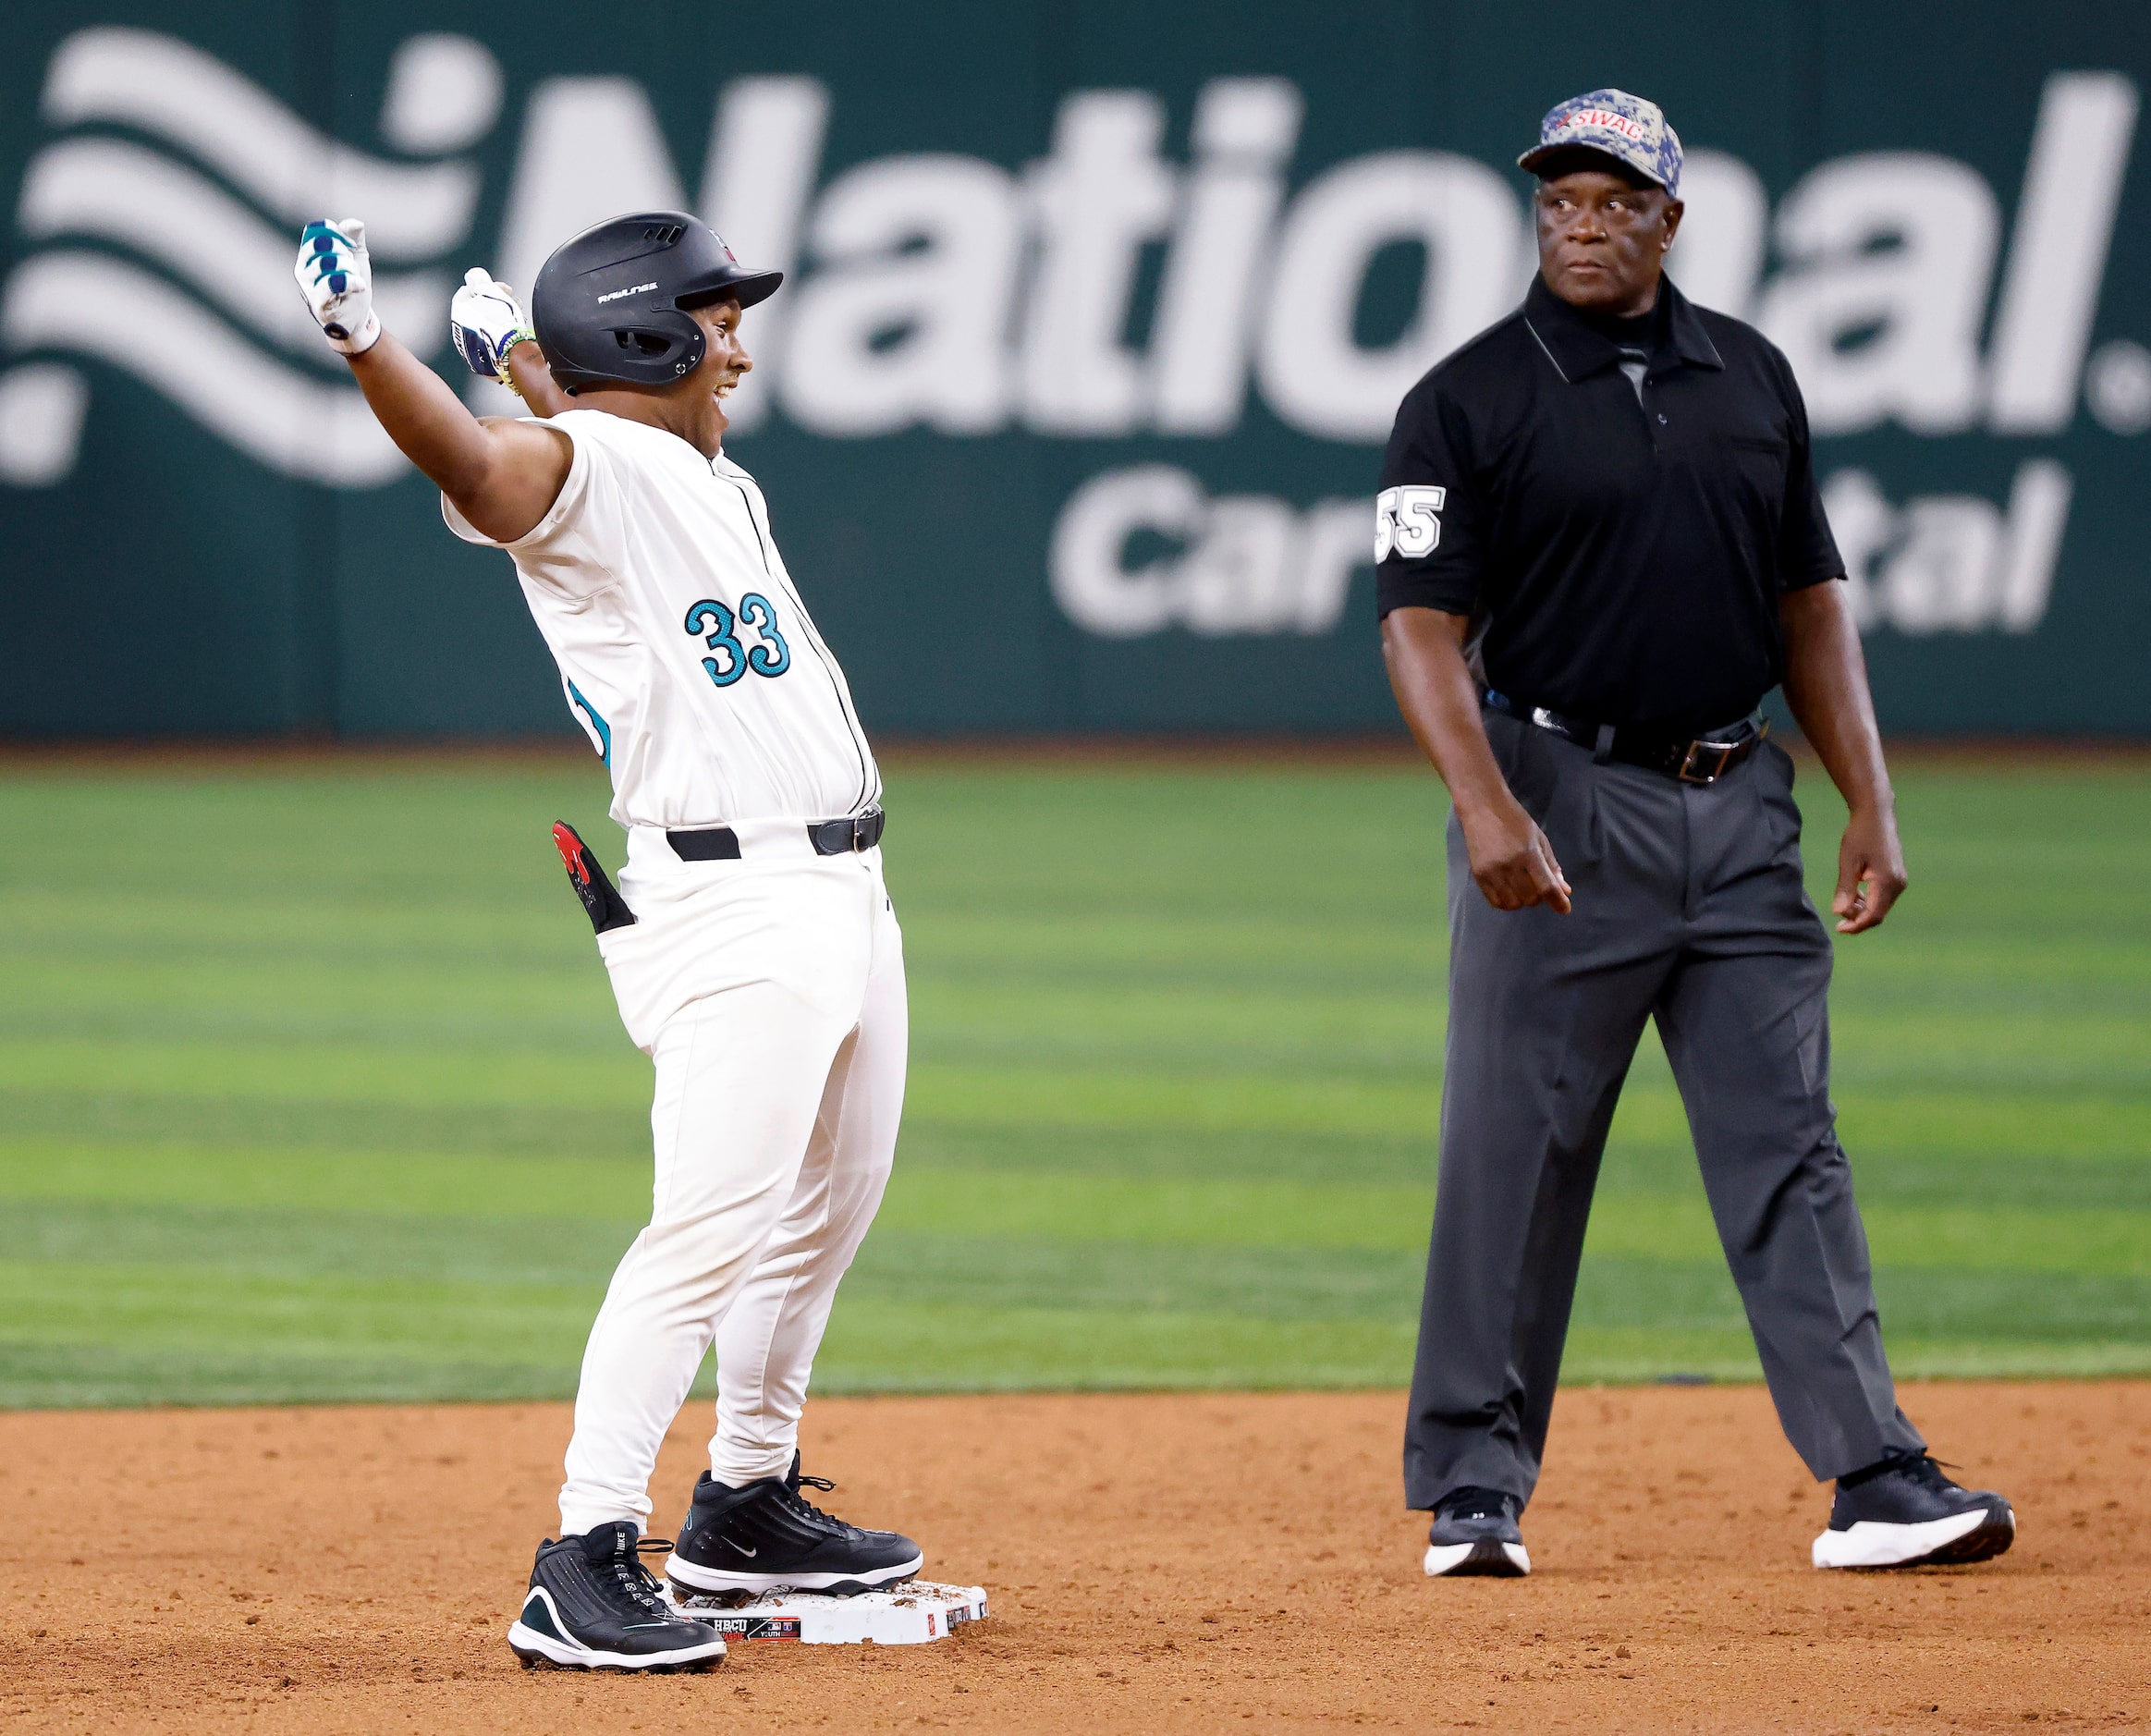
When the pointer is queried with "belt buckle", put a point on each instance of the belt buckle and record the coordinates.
(857, 833)
(1688, 775)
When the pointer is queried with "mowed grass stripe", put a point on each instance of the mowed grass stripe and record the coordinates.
(53, 1134)
(330, 1072)
(1968, 1120)
(327, 1314)
(1173, 1107)
(75, 1245)
(540, 1331)
(1222, 1029)
(990, 1205)
(974, 1201)
(78, 1374)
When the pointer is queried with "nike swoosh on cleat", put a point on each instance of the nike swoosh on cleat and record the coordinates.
(743, 1549)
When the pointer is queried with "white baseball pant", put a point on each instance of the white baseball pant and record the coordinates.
(770, 993)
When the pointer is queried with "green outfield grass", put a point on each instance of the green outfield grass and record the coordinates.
(312, 1087)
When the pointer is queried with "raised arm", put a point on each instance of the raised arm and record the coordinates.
(1826, 685)
(1512, 859)
(532, 380)
(495, 335)
(501, 475)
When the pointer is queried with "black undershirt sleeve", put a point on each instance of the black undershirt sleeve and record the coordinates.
(1429, 515)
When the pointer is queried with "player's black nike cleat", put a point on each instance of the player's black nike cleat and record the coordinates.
(763, 1536)
(1474, 1532)
(1904, 1512)
(593, 1605)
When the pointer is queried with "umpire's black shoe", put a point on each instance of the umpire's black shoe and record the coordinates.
(1904, 1512)
(1474, 1532)
(593, 1605)
(765, 1535)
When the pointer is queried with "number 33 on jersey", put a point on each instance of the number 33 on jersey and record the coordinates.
(685, 648)
(1408, 523)
(771, 656)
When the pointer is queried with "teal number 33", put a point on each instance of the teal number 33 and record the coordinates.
(716, 627)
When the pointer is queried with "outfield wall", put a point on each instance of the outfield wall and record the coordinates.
(1071, 416)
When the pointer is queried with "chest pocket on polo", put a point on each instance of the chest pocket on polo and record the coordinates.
(1758, 464)
(1772, 446)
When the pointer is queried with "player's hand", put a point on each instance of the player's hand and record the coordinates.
(337, 278)
(486, 321)
(1870, 870)
(1512, 859)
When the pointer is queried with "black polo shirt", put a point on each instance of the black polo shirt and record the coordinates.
(1624, 546)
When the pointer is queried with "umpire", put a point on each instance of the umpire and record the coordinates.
(1600, 545)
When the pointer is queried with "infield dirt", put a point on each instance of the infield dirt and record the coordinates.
(1156, 1562)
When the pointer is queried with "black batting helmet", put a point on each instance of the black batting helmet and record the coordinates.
(608, 304)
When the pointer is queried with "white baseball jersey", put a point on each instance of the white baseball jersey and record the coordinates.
(684, 648)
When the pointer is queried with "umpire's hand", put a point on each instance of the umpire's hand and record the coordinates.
(1512, 859)
(1870, 870)
(1825, 684)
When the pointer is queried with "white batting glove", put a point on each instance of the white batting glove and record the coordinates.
(486, 321)
(337, 278)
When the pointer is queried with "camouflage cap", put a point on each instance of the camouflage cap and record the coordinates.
(1623, 127)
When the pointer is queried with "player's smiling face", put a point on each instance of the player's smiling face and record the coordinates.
(693, 406)
(724, 358)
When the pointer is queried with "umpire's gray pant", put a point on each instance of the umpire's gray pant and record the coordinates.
(1689, 909)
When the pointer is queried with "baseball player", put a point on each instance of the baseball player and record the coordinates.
(751, 943)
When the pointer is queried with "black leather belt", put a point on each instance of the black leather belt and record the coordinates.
(1702, 759)
(839, 837)
(829, 837)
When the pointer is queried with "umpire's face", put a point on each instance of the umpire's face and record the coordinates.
(1602, 240)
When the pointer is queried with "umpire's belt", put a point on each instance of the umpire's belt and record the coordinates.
(1693, 759)
(829, 837)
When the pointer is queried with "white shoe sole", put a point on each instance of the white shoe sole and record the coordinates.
(530, 1646)
(1486, 1556)
(1873, 1544)
(709, 1579)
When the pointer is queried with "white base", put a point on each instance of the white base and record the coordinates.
(911, 1614)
